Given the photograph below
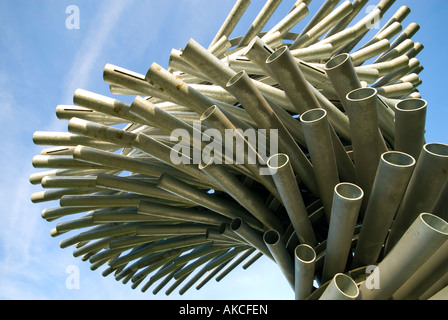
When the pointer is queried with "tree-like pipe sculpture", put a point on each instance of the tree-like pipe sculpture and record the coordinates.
(306, 148)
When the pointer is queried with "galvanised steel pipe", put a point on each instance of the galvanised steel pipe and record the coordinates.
(391, 180)
(260, 21)
(182, 214)
(304, 271)
(281, 256)
(342, 74)
(410, 121)
(341, 287)
(345, 210)
(242, 194)
(362, 55)
(400, 49)
(256, 105)
(69, 182)
(251, 236)
(66, 112)
(286, 183)
(320, 146)
(367, 149)
(325, 24)
(420, 241)
(429, 176)
(69, 139)
(323, 12)
(313, 54)
(342, 24)
(396, 90)
(224, 207)
(288, 74)
(232, 20)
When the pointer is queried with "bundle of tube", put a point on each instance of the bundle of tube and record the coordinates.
(331, 177)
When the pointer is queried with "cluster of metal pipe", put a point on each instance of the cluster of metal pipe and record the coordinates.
(355, 207)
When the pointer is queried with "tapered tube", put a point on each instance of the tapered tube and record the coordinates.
(316, 129)
(392, 178)
(346, 204)
(429, 176)
(252, 236)
(363, 115)
(410, 120)
(243, 195)
(421, 240)
(257, 106)
(304, 267)
(286, 183)
(278, 250)
(341, 287)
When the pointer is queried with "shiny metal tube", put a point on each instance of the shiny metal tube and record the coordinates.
(242, 194)
(260, 21)
(421, 240)
(220, 46)
(407, 33)
(183, 214)
(304, 268)
(69, 139)
(313, 54)
(341, 287)
(252, 236)
(232, 20)
(342, 24)
(396, 90)
(66, 112)
(344, 214)
(289, 21)
(310, 36)
(410, 120)
(431, 271)
(400, 49)
(362, 55)
(288, 74)
(342, 74)
(281, 256)
(319, 143)
(428, 178)
(367, 150)
(69, 182)
(202, 198)
(256, 105)
(62, 162)
(286, 183)
(323, 12)
(391, 180)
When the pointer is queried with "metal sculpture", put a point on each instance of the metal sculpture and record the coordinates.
(350, 188)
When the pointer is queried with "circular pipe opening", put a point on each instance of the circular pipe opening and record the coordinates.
(349, 191)
(434, 222)
(346, 285)
(271, 237)
(412, 104)
(276, 54)
(207, 113)
(336, 61)
(398, 158)
(313, 115)
(235, 224)
(235, 78)
(277, 161)
(361, 94)
(437, 149)
(305, 253)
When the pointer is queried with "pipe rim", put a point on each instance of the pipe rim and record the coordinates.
(434, 223)
(346, 285)
(235, 78)
(437, 149)
(361, 94)
(305, 253)
(207, 113)
(236, 224)
(313, 115)
(336, 61)
(411, 104)
(398, 159)
(277, 53)
(271, 237)
(349, 191)
(277, 161)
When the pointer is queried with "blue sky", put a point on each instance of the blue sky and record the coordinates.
(43, 63)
